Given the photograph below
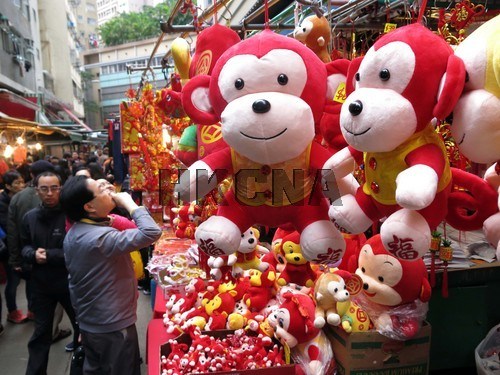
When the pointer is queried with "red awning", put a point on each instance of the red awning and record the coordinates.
(17, 106)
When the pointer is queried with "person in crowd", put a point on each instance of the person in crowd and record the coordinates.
(109, 169)
(63, 170)
(103, 155)
(96, 171)
(20, 204)
(81, 170)
(42, 236)
(54, 160)
(13, 183)
(121, 220)
(97, 256)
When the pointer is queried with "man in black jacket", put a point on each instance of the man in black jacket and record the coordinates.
(42, 236)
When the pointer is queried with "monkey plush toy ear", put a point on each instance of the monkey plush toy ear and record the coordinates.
(451, 87)
(196, 102)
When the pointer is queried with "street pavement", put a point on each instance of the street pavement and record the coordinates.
(14, 341)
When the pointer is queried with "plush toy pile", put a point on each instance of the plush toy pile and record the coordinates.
(271, 116)
(206, 353)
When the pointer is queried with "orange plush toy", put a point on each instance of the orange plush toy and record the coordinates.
(268, 111)
(408, 77)
(394, 290)
(315, 33)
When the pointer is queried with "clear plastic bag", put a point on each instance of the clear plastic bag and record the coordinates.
(487, 353)
(400, 322)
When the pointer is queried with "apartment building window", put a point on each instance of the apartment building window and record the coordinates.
(91, 21)
(34, 15)
(17, 3)
(80, 18)
(90, 7)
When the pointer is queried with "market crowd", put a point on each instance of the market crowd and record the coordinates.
(66, 231)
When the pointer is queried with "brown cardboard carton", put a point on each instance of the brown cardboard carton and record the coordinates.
(370, 353)
(185, 338)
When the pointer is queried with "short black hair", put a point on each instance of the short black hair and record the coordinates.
(10, 176)
(41, 166)
(74, 195)
(47, 174)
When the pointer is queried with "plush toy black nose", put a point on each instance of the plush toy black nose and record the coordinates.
(365, 286)
(261, 106)
(251, 240)
(355, 107)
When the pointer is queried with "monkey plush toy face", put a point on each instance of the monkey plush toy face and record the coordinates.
(269, 92)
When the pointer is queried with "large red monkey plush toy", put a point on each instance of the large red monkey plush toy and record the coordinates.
(268, 91)
(408, 77)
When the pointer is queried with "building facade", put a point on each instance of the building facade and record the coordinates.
(114, 70)
(108, 9)
(20, 50)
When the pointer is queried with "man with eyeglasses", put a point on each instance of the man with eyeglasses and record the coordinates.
(101, 276)
(20, 204)
(42, 237)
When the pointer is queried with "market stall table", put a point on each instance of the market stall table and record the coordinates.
(160, 304)
(156, 336)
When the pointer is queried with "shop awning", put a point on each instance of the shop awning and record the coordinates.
(13, 123)
(18, 106)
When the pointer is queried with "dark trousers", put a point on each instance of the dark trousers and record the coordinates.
(44, 305)
(113, 353)
(13, 280)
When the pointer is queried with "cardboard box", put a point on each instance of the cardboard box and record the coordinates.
(185, 338)
(370, 353)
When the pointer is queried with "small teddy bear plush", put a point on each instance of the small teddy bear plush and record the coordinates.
(248, 254)
(297, 269)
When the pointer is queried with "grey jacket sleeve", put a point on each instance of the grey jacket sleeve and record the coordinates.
(115, 242)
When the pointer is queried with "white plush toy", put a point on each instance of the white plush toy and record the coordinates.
(476, 118)
(248, 255)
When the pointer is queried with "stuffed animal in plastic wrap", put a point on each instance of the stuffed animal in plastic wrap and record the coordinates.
(315, 33)
(248, 255)
(293, 324)
(476, 125)
(395, 291)
(268, 112)
(297, 269)
(408, 77)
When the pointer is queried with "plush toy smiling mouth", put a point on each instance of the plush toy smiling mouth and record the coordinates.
(264, 138)
(462, 140)
(355, 134)
(371, 295)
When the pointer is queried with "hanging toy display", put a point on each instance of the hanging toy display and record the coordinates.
(434, 249)
(446, 255)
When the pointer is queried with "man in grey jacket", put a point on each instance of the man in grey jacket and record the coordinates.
(102, 282)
